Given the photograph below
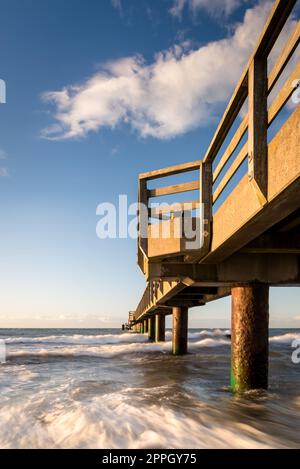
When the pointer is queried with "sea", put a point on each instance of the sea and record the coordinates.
(103, 388)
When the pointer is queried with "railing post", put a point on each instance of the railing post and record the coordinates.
(206, 200)
(142, 222)
(258, 126)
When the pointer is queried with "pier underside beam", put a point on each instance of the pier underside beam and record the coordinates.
(249, 337)
(180, 330)
(160, 325)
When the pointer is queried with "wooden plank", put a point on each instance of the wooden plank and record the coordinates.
(173, 208)
(231, 147)
(234, 106)
(258, 124)
(284, 95)
(231, 172)
(284, 57)
(178, 169)
(278, 16)
(273, 27)
(175, 189)
(272, 80)
(241, 218)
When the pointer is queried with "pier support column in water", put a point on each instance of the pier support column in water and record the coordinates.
(151, 328)
(142, 327)
(180, 330)
(250, 337)
(145, 326)
(160, 325)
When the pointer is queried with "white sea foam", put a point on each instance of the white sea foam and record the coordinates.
(112, 421)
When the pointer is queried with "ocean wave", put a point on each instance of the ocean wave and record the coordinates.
(110, 345)
(285, 338)
(79, 339)
(107, 351)
(209, 343)
(102, 339)
(104, 351)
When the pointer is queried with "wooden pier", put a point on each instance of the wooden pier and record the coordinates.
(244, 214)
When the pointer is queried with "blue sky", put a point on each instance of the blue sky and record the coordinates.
(98, 92)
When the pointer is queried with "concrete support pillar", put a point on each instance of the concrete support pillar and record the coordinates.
(250, 337)
(151, 328)
(145, 326)
(180, 330)
(142, 327)
(160, 325)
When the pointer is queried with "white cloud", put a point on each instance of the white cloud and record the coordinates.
(297, 318)
(213, 7)
(3, 172)
(181, 90)
(117, 5)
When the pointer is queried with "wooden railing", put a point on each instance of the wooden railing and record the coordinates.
(218, 170)
(256, 85)
(164, 212)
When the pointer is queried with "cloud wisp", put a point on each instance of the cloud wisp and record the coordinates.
(213, 7)
(117, 5)
(3, 171)
(182, 89)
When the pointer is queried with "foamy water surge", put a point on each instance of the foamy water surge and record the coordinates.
(105, 390)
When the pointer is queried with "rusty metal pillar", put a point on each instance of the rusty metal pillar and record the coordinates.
(180, 330)
(250, 337)
(151, 328)
(160, 325)
(145, 326)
